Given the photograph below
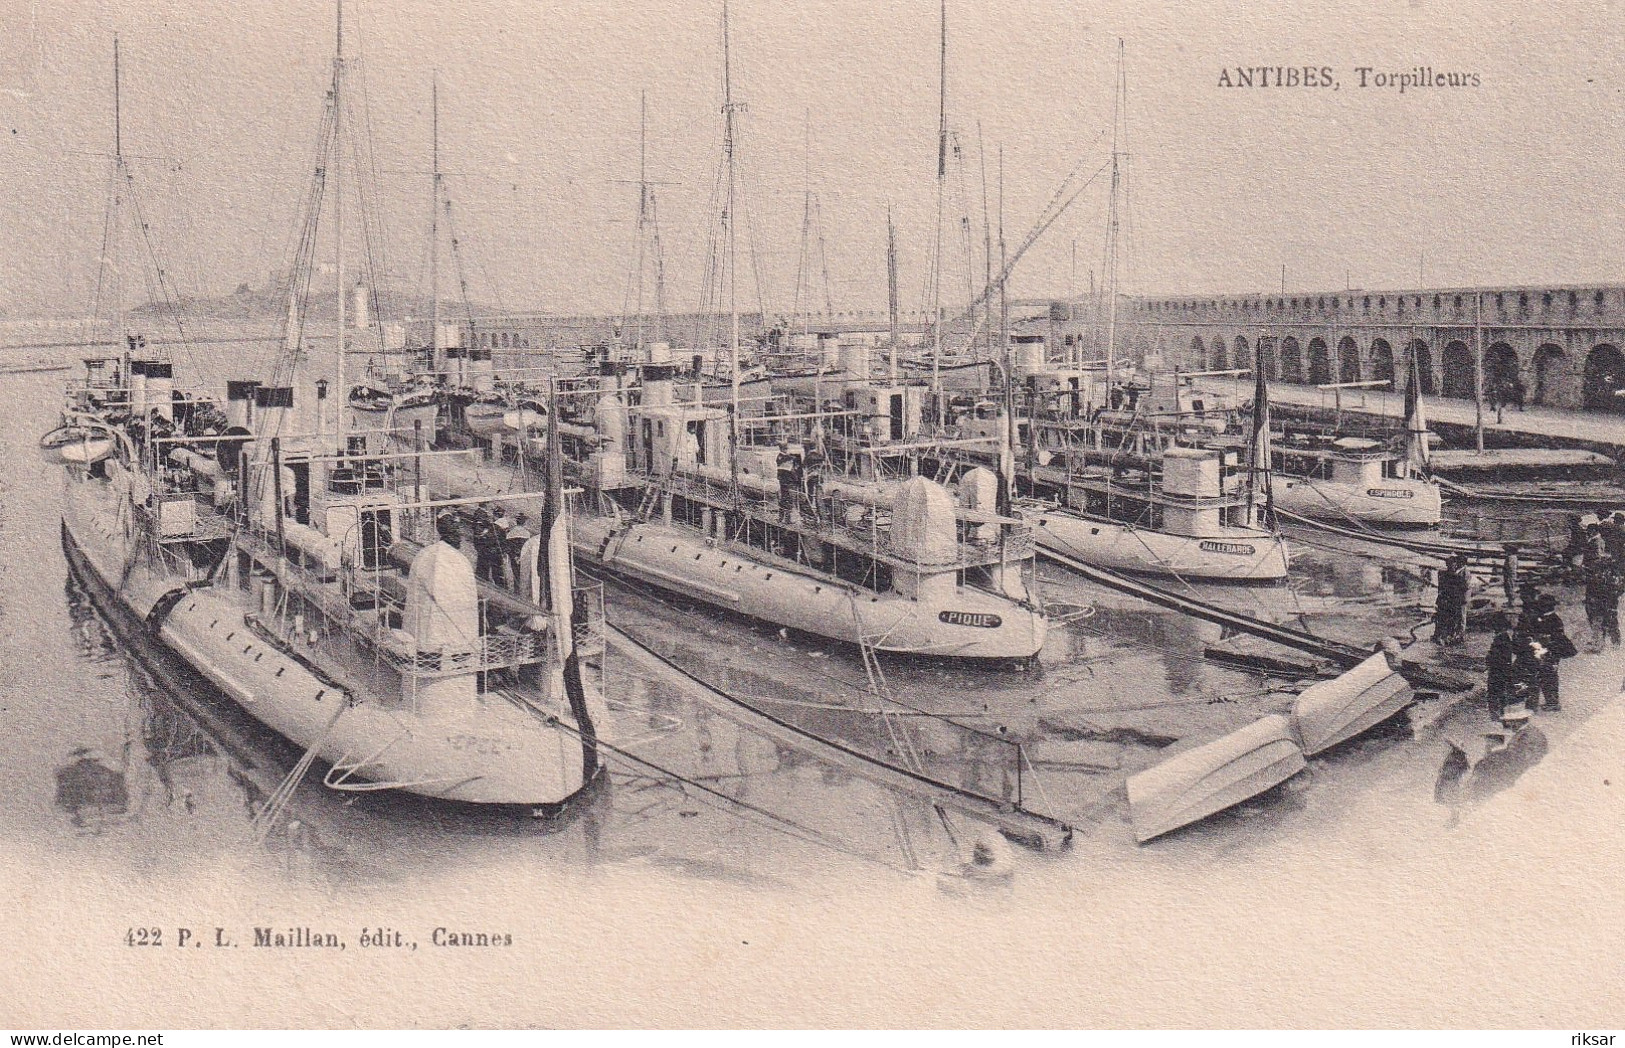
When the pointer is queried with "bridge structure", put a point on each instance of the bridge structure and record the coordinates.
(1557, 346)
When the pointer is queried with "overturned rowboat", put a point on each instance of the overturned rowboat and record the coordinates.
(1337, 710)
(1212, 777)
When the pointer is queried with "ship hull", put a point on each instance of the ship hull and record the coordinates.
(1232, 555)
(1392, 503)
(969, 623)
(500, 756)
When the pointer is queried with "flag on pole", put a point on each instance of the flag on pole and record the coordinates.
(1416, 426)
(561, 594)
(1258, 468)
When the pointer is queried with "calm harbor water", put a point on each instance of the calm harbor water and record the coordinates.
(106, 762)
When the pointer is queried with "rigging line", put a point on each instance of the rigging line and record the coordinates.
(104, 260)
(456, 244)
(372, 236)
(743, 205)
(1044, 222)
(496, 291)
(170, 299)
(962, 203)
(823, 259)
(708, 320)
(265, 820)
(291, 320)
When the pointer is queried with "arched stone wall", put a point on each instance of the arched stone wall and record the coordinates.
(1458, 370)
(1382, 362)
(1291, 360)
(1320, 363)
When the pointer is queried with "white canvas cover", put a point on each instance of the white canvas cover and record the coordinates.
(442, 601)
(923, 523)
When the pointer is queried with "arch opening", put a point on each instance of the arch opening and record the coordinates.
(1549, 363)
(1424, 365)
(1458, 370)
(1348, 361)
(1291, 360)
(1382, 361)
(1320, 364)
(1604, 378)
(1503, 376)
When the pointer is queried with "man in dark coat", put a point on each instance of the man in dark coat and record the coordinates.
(788, 466)
(1602, 588)
(1548, 631)
(1450, 612)
(1499, 664)
(487, 547)
(1613, 535)
(1528, 662)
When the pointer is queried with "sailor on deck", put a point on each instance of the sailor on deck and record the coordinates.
(789, 470)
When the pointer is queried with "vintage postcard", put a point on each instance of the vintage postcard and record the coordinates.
(736, 513)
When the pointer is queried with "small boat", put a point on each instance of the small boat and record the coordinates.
(1350, 478)
(1334, 711)
(528, 419)
(1190, 520)
(1212, 777)
(484, 417)
(403, 411)
(77, 444)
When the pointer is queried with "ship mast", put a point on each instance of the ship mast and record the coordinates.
(891, 291)
(118, 134)
(1007, 455)
(643, 199)
(802, 260)
(728, 109)
(337, 163)
(434, 225)
(1112, 226)
(936, 250)
(987, 232)
(118, 178)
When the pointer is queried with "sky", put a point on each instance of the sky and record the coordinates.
(1516, 180)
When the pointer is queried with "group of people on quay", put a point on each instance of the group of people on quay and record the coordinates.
(1596, 551)
(1525, 655)
(1530, 640)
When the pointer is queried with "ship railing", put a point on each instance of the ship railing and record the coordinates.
(506, 647)
(494, 651)
(589, 618)
(857, 526)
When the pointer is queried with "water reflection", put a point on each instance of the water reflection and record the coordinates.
(91, 791)
(1322, 574)
(212, 772)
